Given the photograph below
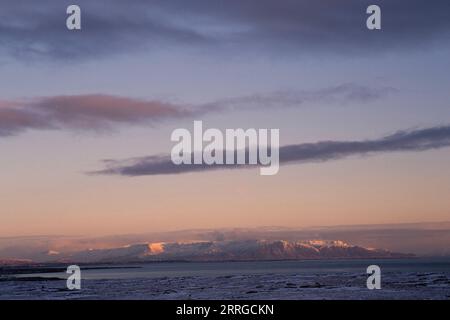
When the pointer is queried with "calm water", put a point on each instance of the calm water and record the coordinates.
(214, 269)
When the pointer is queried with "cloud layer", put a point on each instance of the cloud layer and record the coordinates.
(85, 112)
(36, 29)
(100, 112)
(411, 140)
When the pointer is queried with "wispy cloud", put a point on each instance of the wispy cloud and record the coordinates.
(339, 94)
(101, 112)
(87, 112)
(13, 121)
(401, 141)
(35, 29)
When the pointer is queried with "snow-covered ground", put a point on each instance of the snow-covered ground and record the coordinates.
(395, 285)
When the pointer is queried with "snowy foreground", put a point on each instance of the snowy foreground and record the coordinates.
(395, 285)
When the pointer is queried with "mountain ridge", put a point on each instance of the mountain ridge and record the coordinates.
(229, 250)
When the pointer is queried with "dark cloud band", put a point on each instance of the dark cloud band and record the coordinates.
(36, 29)
(412, 140)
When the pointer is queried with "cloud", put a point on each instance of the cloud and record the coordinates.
(13, 121)
(85, 112)
(410, 140)
(341, 94)
(322, 25)
(31, 30)
(36, 29)
(102, 112)
(97, 111)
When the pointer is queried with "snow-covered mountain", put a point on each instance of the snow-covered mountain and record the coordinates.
(227, 250)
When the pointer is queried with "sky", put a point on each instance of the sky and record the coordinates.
(86, 116)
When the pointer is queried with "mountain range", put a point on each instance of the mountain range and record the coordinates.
(240, 250)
